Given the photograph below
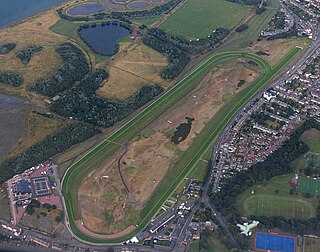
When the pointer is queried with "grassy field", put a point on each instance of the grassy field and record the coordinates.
(196, 151)
(200, 18)
(239, 40)
(311, 244)
(274, 199)
(4, 205)
(312, 139)
(309, 185)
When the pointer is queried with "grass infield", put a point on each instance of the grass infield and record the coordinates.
(200, 145)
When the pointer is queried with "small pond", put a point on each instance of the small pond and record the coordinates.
(103, 39)
(86, 9)
(138, 5)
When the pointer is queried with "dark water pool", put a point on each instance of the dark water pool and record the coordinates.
(103, 39)
(86, 9)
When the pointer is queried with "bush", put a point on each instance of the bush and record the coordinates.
(6, 48)
(12, 79)
(242, 27)
(26, 55)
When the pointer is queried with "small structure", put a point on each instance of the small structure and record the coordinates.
(246, 227)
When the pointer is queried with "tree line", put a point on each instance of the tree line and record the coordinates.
(82, 103)
(48, 147)
(74, 67)
(26, 54)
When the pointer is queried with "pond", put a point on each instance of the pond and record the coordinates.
(138, 5)
(86, 9)
(182, 131)
(103, 39)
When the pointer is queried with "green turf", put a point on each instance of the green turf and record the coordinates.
(198, 18)
(199, 147)
(4, 205)
(109, 197)
(200, 171)
(312, 138)
(274, 199)
(169, 146)
(239, 40)
(69, 29)
(130, 170)
(148, 133)
(309, 185)
(194, 247)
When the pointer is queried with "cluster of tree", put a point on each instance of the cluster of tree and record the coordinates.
(49, 207)
(275, 164)
(33, 204)
(242, 28)
(292, 32)
(124, 15)
(81, 102)
(260, 10)
(73, 68)
(86, 26)
(294, 226)
(177, 58)
(246, 2)
(59, 217)
(50, 146)
(26, 55)
(6, 48)
(12, 79)
(193, 46)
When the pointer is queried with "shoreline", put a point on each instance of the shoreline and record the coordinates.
(13, 23)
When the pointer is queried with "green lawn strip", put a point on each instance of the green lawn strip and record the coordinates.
(200, 18)
(274, 199)
(198, 147)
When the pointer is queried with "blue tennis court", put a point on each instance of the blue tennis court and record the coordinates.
(275, 242)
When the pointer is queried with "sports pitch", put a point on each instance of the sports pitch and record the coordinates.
(309, 185)
(195, 152)
(275, 242)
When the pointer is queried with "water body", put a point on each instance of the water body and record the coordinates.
(138, 5)
(16, 10)
(103, 39)
(86, 9)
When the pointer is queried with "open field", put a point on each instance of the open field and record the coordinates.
(133, 67)
(42, 219)
(278, 48)
(4, 204)
(239, 40)
(140, 171)
(37, 127)
(309, 185)
(191, 156)
(38, 68)
(311, 244)
(200, 18)
(312, 139)
(274, 199)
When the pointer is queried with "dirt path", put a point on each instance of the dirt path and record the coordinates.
(104, 236)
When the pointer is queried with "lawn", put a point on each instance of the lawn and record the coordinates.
(200, 18)
(311, 244)
(4, 204)
(274, 199)
(309, 185)
(312, 138)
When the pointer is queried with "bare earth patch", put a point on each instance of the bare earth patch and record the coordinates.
(151, 158)
(133, 67)
(277, 48)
